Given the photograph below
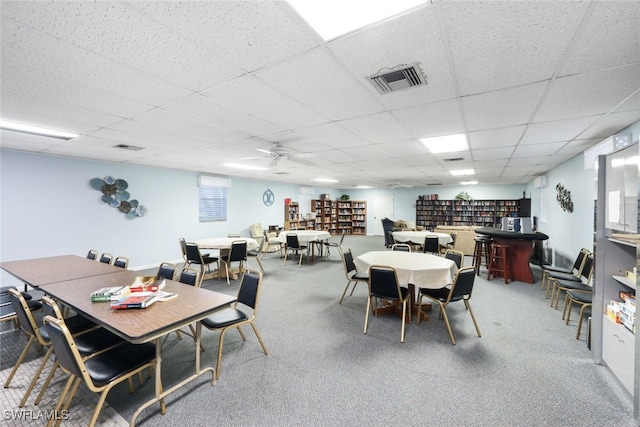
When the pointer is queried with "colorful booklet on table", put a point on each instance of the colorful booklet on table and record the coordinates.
(134, 301)
(110, 293)
(147, 284)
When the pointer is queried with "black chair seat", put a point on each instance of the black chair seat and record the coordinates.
(441, 294)
(359, 276)
(564, 276)
(581, 297)
(578, 286)
(89, 342)
(224, 318)
(552, 270)
(109, 365)
(404, 292)
(34, 305)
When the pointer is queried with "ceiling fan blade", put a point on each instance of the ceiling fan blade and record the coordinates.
(274, 162)
(262, 150)
(302, 161)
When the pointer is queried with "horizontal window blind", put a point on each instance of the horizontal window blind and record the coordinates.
(213, 203)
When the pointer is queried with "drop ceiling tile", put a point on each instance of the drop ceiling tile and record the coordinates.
(25, 142)
(538, 149)
(611, 123)
(496, 45)
(578, 146)
(317, 80)
(377, 128)
(332, 135)
(495, 138)
(595, 49)
(493, 153)
(252, 34)
(257, 99)
(503, 108)
(439, 118)
(416, 39)
(560, 130)
(406, 149)
(589, 93)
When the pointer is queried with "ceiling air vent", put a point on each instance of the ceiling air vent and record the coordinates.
(128, 147)
(402, 77)
(454, 159)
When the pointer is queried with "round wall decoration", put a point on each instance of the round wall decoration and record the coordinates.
(268, 197)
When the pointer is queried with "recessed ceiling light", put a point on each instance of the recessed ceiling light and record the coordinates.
(459, 172)
(245, 167)
(469, 183)
(36, 130)
(325, 180)
(446, 144)
(333, 18)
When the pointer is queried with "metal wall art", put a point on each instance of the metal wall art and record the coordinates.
(564, 198)
(115, 194)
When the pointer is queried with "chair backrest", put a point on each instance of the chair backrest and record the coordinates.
(25, 317)
(92, 254)
(106, 258)
(401, 247)
(121, 261)
(344, 233)
(238, 251)
(347, 260)
(577, 264)
(383, 282)
(183, 247)
(431, 244)
(292, 241)
(587, 268)
(454, 236)
(189, 276)
(455, 256)
(166, 270)
(249, 292)
(193, 253)
(64, 348)
(462, 284)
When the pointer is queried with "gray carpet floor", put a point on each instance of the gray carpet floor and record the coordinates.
(527, 369)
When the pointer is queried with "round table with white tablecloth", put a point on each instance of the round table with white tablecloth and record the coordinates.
(305, 237)
(417, 237)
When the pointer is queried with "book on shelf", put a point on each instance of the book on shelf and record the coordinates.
(134, 301)
(147, 284)
(110, 293)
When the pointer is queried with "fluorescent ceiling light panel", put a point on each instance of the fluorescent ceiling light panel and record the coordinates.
(363, 186)
(245, 167)
(326, 180)
(459, 172)
(469, 183)
(333, 18)
(446, 144)
(36, 130)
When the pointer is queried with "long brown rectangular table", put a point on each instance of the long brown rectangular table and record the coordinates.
(134, 325)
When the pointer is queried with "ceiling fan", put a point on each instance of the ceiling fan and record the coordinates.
(279, 152)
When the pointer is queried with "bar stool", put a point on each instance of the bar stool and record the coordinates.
(481, 249)
(499, 262)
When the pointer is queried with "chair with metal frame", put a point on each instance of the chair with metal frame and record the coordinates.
(99, 373)
(167, 270)
(195, 257)
(233, 317)
(121, 261)
(293, 244)
(549, 271)
(460, 290)
(570, 282)
(106, 258)
(403, 247)
(237, 253)
(92, 255)
(581, 298)
(257, 254)
(335, 244)
(351, 273)
(190, 276)
(384, 285)
(455, 256)
(431, 245)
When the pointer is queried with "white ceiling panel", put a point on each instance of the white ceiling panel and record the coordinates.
(200, 83)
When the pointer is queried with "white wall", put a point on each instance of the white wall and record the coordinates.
(48, 208)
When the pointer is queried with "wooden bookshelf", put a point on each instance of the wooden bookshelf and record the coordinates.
(482, 213)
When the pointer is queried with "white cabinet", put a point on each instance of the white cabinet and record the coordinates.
(618, 350)
(622, 190)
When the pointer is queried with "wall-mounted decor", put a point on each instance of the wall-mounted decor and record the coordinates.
(115, 194)
(268, 197)
(563, 197)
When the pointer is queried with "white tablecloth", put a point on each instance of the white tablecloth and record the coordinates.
(418, 237)
(421, 270)
(304, 236)
(225, 243)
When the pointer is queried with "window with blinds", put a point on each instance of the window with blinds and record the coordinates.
(212, 194)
